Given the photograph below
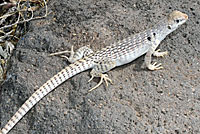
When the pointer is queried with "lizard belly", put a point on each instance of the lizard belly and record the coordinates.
(124, 59)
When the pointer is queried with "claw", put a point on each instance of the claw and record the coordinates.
(63, 52)
(70, 58)
(103, 77)
(155, 67)
(154, 63)
(91, 78)
(106, 79)
(59, 53)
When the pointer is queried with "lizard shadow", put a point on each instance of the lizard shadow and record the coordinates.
(137, 65)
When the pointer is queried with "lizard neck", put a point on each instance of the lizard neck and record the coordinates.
(162, 29)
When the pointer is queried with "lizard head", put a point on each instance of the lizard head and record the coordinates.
(175, 19)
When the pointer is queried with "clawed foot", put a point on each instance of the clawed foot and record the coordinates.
(157, 53)
(64, 52)
(155, 67)
(103, 77)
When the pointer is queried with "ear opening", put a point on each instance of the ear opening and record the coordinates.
(169, 27)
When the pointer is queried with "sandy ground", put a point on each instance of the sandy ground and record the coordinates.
(140, 101)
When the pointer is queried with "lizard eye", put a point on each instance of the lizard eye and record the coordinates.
(177, 21)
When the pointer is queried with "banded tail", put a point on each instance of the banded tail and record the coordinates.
(55, 81)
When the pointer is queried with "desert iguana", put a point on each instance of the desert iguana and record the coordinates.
(100, 62)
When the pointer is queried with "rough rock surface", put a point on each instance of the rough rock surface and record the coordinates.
(140, 101)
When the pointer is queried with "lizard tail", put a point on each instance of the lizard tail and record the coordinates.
(63, 75)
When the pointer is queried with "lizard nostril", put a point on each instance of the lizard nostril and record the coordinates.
(186, 17)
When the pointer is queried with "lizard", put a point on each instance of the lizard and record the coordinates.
(102, 61)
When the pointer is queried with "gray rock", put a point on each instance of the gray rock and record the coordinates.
(140, 101)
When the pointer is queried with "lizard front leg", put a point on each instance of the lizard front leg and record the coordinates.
(74, 56)
(98, 71)
(148, 55)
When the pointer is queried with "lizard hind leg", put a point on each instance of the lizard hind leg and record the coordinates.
(74, 56)
(98, 71)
